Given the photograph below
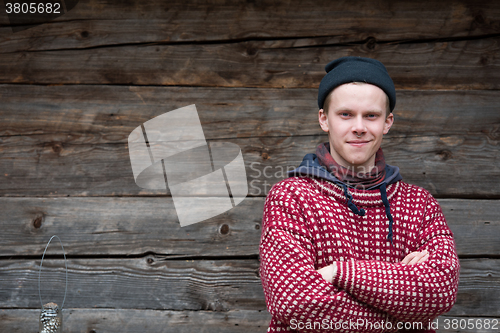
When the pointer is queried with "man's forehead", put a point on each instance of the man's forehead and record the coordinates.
(356, 83)
(373, 89)
(341, 99)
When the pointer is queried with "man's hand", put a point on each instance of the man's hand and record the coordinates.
(328, 272)
(415, 258)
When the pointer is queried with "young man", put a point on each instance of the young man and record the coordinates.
(346, 245)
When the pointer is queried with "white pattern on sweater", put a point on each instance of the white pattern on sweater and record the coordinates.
(307, 225)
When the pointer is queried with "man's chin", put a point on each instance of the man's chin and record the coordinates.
(358, 162)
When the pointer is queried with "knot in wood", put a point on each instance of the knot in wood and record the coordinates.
(484, 60)
(251, 51)
(37, 221)
(224, 229)
(371, 43)
(445, 155)
(479, 19)
(56, 147)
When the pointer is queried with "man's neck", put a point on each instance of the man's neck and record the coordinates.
(357, 168)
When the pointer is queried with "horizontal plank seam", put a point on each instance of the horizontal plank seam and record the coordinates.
(130, 309)
(187, 311)
(373, 40)
(389, 136)
(257, 39)
(213, 86)
(156, 257)
(111, 85)
(54, 196)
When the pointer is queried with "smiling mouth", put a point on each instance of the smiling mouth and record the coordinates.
(358, 143)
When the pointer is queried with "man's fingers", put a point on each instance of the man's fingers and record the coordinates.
(424, 258)
(408, 257)
(415, 258)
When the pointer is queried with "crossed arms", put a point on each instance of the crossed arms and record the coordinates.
(418, 288)
(330, 271)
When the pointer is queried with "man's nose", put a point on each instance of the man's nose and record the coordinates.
(359, 126)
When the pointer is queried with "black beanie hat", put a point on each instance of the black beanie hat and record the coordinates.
(356, 69)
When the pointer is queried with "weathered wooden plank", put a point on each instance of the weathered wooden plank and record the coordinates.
(93, 23)
(269, 64)
(134, 226)
(451, 165)
(475, 225)
(142, 283)
(221, 285)
(107, 114)
(431, 161)
(139, 321)
(125, 226)
(473, 300)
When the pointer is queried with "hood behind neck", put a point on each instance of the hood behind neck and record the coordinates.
(310, 166)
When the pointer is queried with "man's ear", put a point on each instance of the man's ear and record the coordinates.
(323, 120)
(388, 123)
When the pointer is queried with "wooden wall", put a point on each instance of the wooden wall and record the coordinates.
(73, 89)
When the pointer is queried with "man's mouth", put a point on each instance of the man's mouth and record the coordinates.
(357, 143)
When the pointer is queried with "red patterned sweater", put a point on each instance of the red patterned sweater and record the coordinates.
(307, 225)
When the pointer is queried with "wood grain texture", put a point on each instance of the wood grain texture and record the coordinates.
(141, 283)
(72, 90)
(139, 321)
(472, 301)
(221, 285)
(475, 225)
(117, 226)
(65, 140)
(94, 23)
(107, 114)
(135, 226)
(451, 165)
(262, 64)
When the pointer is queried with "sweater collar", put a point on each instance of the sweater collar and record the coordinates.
(310, 166)
(357, 198)
(347, 175)
(361, 198)
(381, 192)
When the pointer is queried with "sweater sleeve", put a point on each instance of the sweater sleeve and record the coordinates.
(410, 293)
(295, 292)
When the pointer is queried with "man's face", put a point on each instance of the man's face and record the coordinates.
(355, 124)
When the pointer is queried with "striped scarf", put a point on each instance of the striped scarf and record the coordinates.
(348, 175)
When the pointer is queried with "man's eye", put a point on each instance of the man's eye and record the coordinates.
(344, 114)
